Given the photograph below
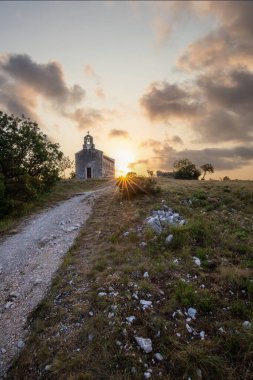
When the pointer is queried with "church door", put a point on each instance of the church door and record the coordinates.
(88, 172)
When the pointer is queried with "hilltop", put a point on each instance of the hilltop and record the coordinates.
(189, 295)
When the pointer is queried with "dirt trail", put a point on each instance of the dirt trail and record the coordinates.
(28, 261)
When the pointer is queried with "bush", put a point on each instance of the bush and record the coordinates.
(133, 184)
(185, 169)
(29, 162)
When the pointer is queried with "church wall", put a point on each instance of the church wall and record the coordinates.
(108, 167)
(92, 158)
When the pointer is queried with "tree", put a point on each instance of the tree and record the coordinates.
(185, 169)
(150, 173)
(207, 168)
(29, 162)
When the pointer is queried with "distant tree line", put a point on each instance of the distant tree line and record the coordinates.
(30, 163)
(185, 169)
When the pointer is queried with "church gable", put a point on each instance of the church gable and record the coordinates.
(92, 163)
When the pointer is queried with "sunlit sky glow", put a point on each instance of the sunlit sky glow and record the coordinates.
(152, 81)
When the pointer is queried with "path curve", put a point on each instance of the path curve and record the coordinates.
(28, 261)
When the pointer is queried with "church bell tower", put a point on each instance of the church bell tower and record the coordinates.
(88, 142)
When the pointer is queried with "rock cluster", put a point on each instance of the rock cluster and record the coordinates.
(161, 218)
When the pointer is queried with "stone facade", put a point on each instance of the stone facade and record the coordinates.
(92, 163)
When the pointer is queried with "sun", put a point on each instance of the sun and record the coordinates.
(123, 159)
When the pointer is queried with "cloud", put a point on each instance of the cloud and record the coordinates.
(230, 44)
(91, 73)
(100, 92)
(163, 101)
(155, 144)
(87, 118)
(23, 81)
(133, 165)
(44, 79)
(217, 106)
(162, 28)
(119, 133)
(220, 158)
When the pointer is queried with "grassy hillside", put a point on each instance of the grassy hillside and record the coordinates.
(80, 331)
(61, 191)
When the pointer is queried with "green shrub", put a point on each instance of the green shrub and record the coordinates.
(132, 185)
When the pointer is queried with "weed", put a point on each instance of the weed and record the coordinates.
(184, 293)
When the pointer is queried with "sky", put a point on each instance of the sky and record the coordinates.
(153, 82)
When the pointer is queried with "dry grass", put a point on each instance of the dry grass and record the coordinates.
(77, 334)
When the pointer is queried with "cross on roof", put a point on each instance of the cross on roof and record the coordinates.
(88, 132)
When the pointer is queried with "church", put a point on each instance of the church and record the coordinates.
(93, 163)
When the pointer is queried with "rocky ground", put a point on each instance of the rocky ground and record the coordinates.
(28, 261)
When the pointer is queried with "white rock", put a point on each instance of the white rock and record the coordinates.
(111, 315)
(202, 286)
(202, 335)
(21, 344)
(188, 328)
(143, 244)
(102, 294)
(70, 229)
(169, 239)
(37, 281)
(8, 305)
(221, 330)
(158, 357)
(178, 334)
(113, 294)
(192, 312)
(155, 224)
(125, 234)
(199, 373)
(176, 261)
(247, 324)
(147, 375)
(48, 367)
(145, 304)
(131, 319)
(135, 295)
(3, 351)
(196, 260)
(91, 313)
(14, 295)
(144, 343)
(188, 319)
(146, 275)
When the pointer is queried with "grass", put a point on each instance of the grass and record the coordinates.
(77, 333)
(63, 190)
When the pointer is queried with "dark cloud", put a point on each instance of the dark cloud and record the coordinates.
(220, 158)
(22, 80)
(163, 101)
(119, 133)
(219, 106)
(230, 44)
(44, 79)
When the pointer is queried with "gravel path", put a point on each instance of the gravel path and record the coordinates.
(28, 261)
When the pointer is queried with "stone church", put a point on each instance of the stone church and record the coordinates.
(93, 163)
